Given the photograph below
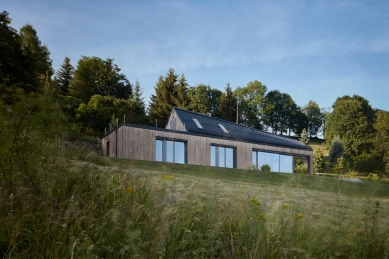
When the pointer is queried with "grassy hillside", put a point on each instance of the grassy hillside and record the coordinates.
(86, 206)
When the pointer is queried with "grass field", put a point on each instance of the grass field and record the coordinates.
(87, 206)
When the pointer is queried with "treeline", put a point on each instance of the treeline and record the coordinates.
(94, 97)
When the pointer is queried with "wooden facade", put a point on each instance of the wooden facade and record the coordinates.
(139, 142)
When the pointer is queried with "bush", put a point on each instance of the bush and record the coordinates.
(301, 169)
(265, 168)
(369, 163)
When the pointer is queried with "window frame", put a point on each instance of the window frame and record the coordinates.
(164, 149)
(216, 157)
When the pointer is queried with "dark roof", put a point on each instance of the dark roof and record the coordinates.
(235, 131)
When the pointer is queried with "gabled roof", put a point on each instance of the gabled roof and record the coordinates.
(235, 131)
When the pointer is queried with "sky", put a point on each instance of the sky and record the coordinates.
(312, 50)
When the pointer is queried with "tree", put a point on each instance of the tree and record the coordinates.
(318, 160)
(138, 106)
(314, 117)
(279, 111)
(64, 76)
(204, 99)
(170, 90)
(96, 76)
(250, 101)
(381, 126)
(304, 137)
(98, 113)
(352, 119)
(18, 63)
(39, 56)
(227, 106)
(336, 150)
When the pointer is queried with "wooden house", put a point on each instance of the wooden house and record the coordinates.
(197, 139)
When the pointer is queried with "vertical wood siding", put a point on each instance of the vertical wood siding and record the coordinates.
(139, 143)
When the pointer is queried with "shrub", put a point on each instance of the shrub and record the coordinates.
(301, 169)
(336, 150)
(369, 163)
(265, 168)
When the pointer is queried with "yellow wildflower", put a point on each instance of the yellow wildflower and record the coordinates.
(299, 216)
(167, 177)
(285, 205)
(260, 215)
(130, 189)
(254, 201)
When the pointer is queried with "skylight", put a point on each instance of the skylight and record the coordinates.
(222, 127)
(198, 124)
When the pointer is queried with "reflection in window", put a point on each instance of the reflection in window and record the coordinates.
(286, 164)
(158, 150)
(222, 156)
(170, 151)
(277, 162)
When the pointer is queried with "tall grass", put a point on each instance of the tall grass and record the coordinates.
(115, 209)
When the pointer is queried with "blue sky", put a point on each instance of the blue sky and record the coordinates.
(312, 50)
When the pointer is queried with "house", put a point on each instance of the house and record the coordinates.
(196, 139)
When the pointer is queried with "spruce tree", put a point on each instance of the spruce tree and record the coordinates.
(138, 105)
(336, 150)
(64, 76)
(170, 90)
(227, 106)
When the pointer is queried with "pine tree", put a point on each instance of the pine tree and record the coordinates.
(64, 76)
(227, 106)
(170, 90)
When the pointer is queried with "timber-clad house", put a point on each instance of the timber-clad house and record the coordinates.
(196, 139)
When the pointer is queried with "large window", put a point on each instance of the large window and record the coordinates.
(223, 156)
(172, 151)
(276, 162)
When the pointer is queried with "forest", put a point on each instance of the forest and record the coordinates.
(94, 96)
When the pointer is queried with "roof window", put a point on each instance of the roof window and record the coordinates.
(198, 124)
(222, 127)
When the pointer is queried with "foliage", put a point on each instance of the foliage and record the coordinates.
(318, 160)
(39, 56)
(204, 99)
(381, 126)
(227, 106)
(352, 119)
(336, 150)
(170, 91)
(25, 63)
(304, 137)
(279, 111)
(96, 116)
(300, 169)
(341, 164)
(369, 163)
(265, 168)
(96, 76)
(64, 76)
(250, 100)
(313, 116)
(25, 128)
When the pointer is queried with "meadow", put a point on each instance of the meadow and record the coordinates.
(82, 205)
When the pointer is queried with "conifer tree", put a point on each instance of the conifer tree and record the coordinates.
(336, 150)
(304, 137)
(318, 160)
(170, 90)
(227, 106)
(138, 105)
(64, 76)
